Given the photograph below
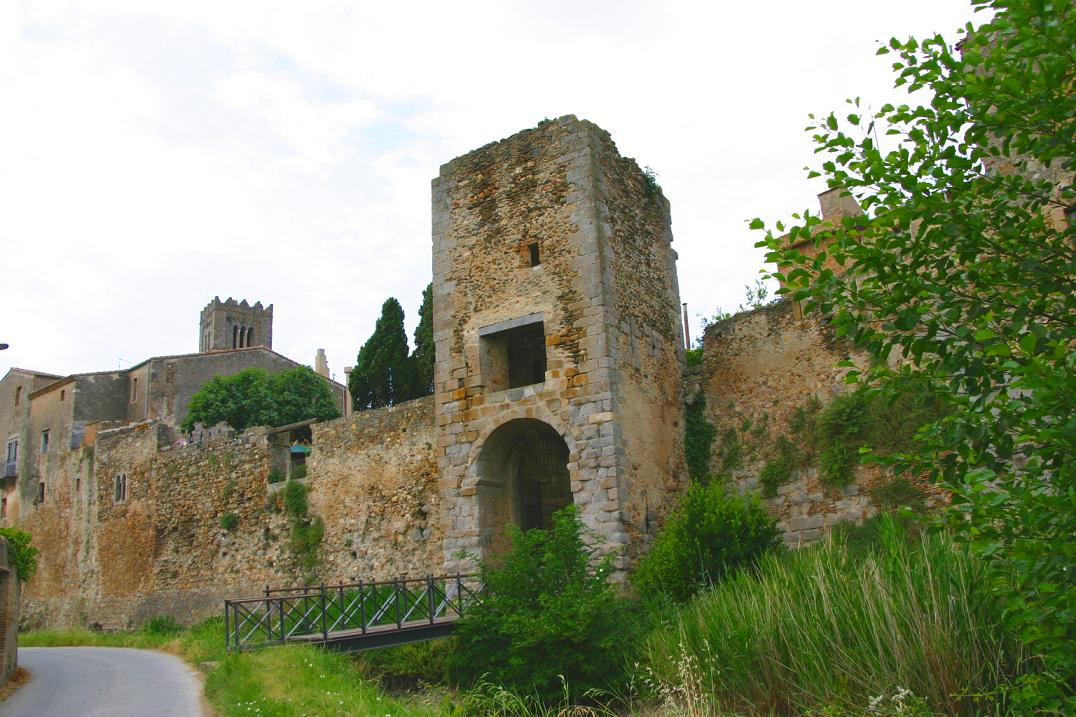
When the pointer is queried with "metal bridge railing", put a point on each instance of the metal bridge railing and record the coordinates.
(321, 613)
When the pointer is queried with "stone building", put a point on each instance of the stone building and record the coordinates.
(559, 346)
(44, 417)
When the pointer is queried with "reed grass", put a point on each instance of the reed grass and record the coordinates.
(823, 627)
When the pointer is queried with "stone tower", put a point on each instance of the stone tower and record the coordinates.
(235, 324)
(558, 340)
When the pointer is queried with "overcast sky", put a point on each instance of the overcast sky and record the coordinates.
(155, 154)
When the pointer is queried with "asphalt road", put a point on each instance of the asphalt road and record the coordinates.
(103, 682)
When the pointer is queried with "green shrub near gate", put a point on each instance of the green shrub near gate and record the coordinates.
(548, 610)
(712, 531)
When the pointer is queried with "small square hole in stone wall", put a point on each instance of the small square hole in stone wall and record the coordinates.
(513, 357)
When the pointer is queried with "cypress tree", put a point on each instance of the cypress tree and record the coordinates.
(383, 375)
(424, 353)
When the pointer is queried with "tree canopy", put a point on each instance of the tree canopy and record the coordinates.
(385, 374)
(964, 268)
(254, 397)
(424, 351)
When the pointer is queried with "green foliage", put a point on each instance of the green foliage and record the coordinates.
(650, 181)
(779, 467)
(492, 700)
(228, 521)
(254, 397)
(730, 451)
(899, 492)
(279, 682)
(699, 436)
(296, 503)
(803, 427)
(408, 667)
(841, 426)
(20, 554)
(299, 394)
(862, 538)
(898, 703)
(549, 610)
(424, 354)
(305, 542)
(298, 471)
(756, 296)
(821, 626)
(162, 625)
(384, 375)
(693, 357)
(276, 476)
(712, 531)
(963, 266)
(884, 420)
(306, 533)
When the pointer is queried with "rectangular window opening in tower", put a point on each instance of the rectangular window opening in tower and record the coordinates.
(536, 258)
(514, 356)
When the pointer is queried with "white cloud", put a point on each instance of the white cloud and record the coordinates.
(154, 154)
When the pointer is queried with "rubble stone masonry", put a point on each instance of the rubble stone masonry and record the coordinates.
(603, 290)
(160, 549)
(758, 367)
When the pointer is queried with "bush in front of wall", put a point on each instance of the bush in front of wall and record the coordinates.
(548, 609)
(21, 555)
(276, 476)
(713, 530)
(162, 625)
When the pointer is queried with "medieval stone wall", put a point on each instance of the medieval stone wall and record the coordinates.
(119, 559)
(758, 367)
(373, 480)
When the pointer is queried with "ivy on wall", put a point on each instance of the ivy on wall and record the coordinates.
(306, 532)
(699, 436)
(831, 436)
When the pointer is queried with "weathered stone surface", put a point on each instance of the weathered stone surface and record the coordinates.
(605, 291)
(758, 367)
(162, 551)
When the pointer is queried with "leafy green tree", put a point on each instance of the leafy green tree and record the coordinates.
(297, 395)
(239, 400)
(21, 555)
(383, 374)
(548, 610)
(963, 267)
(253, 397)
(424, 350)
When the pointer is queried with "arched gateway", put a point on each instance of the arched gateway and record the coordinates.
(522, 472)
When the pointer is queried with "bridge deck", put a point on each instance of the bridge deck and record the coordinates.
(350, 617)
(357, 639)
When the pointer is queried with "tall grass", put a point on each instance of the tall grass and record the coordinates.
(820, 627)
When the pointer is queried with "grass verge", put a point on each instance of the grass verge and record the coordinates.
(288, 681)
